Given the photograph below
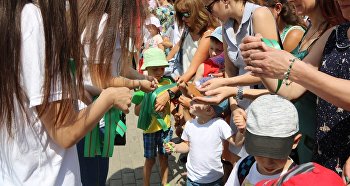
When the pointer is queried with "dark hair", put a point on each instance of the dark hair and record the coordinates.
(124, 19)
(200, 19)
(331, 12)
(288, 13)
(61, 44)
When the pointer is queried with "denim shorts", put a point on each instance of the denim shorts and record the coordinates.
(218, 182)
(153, 142)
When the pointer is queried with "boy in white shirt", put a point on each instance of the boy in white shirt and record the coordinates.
(271, 133)
(202, 139)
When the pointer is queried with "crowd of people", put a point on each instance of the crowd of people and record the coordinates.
(254, 89)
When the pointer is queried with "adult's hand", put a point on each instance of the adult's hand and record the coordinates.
(271, 64)
(161, 100)
(121, 98)
(346, 172)
(216, 96)
(147, 86)
(213, 84)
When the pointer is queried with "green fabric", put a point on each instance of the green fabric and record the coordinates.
(113, 126)
(137, 97)
(306, 107)
(274, 44)
(147, 109)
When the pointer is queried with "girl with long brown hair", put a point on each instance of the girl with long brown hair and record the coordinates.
(39, 121)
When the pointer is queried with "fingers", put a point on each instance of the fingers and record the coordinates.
(249, 39)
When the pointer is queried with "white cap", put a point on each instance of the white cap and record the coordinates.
(153, 21)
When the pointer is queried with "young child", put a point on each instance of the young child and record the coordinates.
(271, 132)
(215, 64)
(202, 139)
(154, 133)
(153, 27)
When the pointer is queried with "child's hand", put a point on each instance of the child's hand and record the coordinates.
(185, 101)
(169, 147)
(240, 118)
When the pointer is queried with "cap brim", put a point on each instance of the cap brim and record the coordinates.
(216, 37)
(144, 66)
(270, 147)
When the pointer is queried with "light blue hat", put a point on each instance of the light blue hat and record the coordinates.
(217, 34)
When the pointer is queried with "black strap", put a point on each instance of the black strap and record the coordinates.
(244, 168)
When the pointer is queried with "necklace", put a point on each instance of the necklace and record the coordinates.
(319, 32)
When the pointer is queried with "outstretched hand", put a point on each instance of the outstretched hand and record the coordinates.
(213, 84)
(346, 172)
(217, 95)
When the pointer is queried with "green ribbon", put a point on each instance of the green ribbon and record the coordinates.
(274, 44)
(113, 125)
(147, 109)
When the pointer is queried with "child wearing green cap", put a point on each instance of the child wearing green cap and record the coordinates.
(154, 115)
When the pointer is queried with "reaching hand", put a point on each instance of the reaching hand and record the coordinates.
(213, 84)
(147, 86)
(240, 118)
(185, 101)
(217, 95)
(161, 100)
(121, 98)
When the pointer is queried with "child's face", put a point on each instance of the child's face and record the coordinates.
(156, 72)
(216, 47)
(152, 29)
(269, 166)
(199, 109)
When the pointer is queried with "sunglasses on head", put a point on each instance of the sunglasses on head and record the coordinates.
(185, 14)
(209, 7)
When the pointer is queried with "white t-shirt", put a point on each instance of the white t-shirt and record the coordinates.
(252, 178)
(204, 157)
(31, 157)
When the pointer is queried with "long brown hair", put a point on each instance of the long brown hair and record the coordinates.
(200, 18)
(331, 12)
(61, 44)
(124, 19)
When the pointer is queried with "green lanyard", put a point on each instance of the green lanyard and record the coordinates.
(274, 44)
(147, 109)
(113, 125)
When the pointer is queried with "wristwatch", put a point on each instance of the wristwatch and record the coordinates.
(171, 94)
(239, 95)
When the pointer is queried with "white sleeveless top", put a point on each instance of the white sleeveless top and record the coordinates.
(189, 48)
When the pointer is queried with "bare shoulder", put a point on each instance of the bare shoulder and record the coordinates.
(262, 13)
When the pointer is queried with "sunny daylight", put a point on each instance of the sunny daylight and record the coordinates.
(175, 92)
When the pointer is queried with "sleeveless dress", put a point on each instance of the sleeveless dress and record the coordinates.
(306, 107)
(333, 123)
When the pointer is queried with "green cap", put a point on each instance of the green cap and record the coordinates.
(154, 57)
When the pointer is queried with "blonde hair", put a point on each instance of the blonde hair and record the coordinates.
(200, 18)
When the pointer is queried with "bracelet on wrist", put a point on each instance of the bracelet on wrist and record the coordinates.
(139, 88)
(286, 74)
(239, 95)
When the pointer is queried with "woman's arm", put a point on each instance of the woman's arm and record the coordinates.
(173, 51)
(72, 127)
(292, 39)
(264, 23)
(201, 54)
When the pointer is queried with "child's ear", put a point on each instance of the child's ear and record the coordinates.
(297, 138)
